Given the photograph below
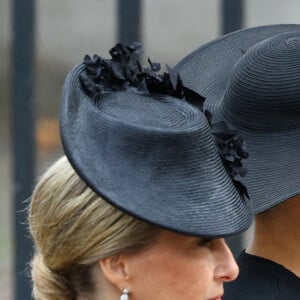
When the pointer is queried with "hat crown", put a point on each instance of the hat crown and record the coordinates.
(263, 91)
(149, 112)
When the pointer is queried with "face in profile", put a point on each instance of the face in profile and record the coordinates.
(179, 267)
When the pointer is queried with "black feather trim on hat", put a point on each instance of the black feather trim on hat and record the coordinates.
(124, 72)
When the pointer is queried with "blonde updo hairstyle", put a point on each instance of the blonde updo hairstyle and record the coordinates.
(72, 229)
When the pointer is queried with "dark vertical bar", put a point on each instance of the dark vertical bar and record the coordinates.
(232, 15)
(129, 21)
(23, 33)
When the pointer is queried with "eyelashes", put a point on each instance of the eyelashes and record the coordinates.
(205, 242)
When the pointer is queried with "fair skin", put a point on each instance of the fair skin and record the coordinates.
(277, 235)
(174, 267)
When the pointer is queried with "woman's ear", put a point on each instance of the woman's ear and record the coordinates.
(115, 271)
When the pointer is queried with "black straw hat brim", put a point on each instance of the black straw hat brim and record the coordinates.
(171, 177)
(274, 158)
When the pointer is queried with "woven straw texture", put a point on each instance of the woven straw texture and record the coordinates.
(152, 157)
(257, 91)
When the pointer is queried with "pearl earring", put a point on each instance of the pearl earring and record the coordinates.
(124, 295)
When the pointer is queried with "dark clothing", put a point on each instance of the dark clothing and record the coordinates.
(262, 279)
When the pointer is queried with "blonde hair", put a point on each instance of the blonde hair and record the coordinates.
(72, 228)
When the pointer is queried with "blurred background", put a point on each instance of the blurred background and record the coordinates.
(41, 40)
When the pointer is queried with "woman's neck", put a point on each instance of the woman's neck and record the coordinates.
(277, 235)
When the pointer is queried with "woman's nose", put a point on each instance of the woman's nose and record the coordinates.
(226, 268)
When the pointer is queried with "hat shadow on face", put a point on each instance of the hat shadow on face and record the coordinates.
(251, 79)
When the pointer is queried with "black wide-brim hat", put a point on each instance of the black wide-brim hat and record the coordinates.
(152, 156)
(257, 91)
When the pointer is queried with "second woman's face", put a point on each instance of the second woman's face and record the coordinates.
(178, 267)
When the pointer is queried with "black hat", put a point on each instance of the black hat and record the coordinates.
(144, 150)
(251, 78)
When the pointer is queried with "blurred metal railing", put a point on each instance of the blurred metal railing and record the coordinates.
(232, 15)
(23, 118)
(129, 21)
(22, 90)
